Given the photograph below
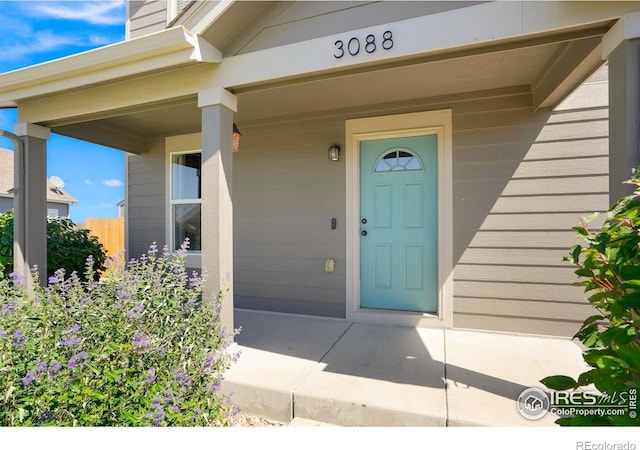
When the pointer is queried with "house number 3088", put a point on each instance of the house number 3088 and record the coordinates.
(354, 46)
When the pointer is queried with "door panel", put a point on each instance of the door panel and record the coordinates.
(399, 224)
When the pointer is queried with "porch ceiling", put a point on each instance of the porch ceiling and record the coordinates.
(549, 70)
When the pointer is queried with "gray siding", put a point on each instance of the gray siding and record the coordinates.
(63, 208)
(285, 194)
(5, 204)
(146, 205)
(522, 180)
(146, 17)
(288, 22)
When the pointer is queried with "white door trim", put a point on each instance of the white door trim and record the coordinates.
(401, 125)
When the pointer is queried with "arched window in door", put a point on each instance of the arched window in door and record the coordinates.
(397, 160)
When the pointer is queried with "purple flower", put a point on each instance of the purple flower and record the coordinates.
(53, 280)
(53, 368)
(2, 334)
(176, 408)
(41, 367)
(140, 340)
(158, 417)
(75, 328)
(28, 379)
(182, 377)
(73, 340)
(19, 339)
(78, 360)
(46, 416)
(215, 386)
(151, 375)
(16, 278)
(209, 359)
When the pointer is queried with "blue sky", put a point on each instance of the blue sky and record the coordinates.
(32, 32)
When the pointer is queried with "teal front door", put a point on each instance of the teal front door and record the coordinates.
(399, 223)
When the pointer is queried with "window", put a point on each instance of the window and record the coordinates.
(397, 160)
(186, 200)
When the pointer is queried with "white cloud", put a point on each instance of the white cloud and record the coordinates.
(94, 12)
(88, 181)
(97, 39)
(112, 182)
(38, 42)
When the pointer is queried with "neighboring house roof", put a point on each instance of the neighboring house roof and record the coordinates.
(54, 195)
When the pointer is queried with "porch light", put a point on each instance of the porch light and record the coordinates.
(334, 152)
(236, 138)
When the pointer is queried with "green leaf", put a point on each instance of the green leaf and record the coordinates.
(575, 253)
(586, 378)
(591, 319)
(629, 355)
(584, 272)
(630, 300)
(559, 382)
(611, 363)
(630, 273)
(592, 356)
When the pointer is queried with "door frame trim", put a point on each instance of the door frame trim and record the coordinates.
(401, 125)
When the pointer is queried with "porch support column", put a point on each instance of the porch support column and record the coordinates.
(30, 202)
(218, 106)
(621, 47)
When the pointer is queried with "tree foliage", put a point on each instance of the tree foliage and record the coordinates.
(67, 247)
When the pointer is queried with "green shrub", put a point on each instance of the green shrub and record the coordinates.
(609, 266)
(138, 348)
(67, 247)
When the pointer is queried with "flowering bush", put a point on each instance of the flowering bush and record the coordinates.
(138, 348)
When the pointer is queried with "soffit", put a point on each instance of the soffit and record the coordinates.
(520, 67)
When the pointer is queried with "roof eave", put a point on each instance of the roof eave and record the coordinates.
(164, 50)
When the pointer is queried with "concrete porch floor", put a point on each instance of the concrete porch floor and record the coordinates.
(355, 374)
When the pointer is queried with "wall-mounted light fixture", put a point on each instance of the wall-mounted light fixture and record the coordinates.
(236, 138)
(334, 152)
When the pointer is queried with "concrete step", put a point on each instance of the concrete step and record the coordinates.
(302, 422)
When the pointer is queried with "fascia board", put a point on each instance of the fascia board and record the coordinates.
(162, 50)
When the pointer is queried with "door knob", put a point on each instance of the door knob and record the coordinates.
(363, 232)
(364, 221)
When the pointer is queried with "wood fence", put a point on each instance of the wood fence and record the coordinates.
(109, 231)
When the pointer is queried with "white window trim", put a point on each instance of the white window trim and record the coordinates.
(400, 125)
(175, 145)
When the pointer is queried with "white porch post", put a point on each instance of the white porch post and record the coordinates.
(218, 106)
(621, 47)
(30, 202)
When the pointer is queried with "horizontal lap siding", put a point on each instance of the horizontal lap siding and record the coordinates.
(285, 193)
(146, 17)
(521, 181)
(146, 199)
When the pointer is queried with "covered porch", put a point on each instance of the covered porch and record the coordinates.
(173, 91)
